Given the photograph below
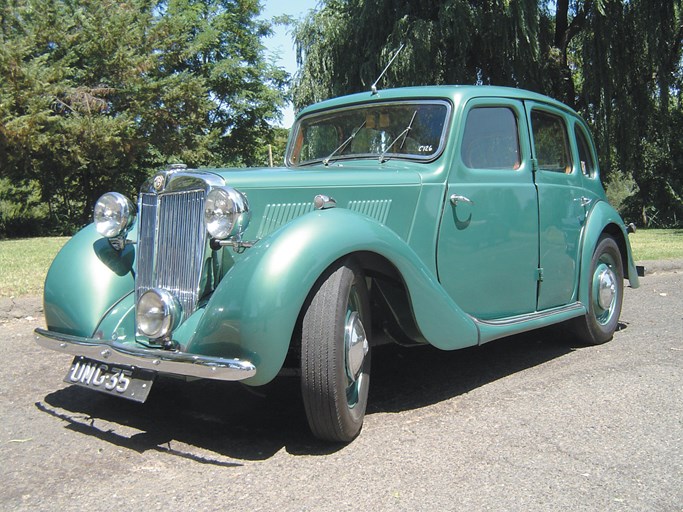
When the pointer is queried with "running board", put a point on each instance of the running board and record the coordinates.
(490, 330)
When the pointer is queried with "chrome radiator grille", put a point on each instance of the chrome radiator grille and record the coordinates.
(171, 248)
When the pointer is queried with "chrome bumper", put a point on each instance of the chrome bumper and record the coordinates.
(162, 361)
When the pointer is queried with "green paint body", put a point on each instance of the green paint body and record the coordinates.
(470, 271)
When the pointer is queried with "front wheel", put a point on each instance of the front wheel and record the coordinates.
(605, 295)
(335, 354)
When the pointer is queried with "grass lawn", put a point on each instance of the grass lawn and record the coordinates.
(24, 262)
(657, 244)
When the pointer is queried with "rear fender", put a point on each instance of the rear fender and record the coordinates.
(604, 218)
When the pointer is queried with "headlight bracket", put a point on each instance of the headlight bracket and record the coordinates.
(120, 242)
(238, 245)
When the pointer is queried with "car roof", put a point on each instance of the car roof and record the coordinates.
(458, 94)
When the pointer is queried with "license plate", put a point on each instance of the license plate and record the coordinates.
(123, 381)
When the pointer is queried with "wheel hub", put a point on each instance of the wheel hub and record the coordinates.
(607, 288)
(356, 345)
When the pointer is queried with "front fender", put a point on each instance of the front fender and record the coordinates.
(86, 278)
(603, 217)
(253, 312)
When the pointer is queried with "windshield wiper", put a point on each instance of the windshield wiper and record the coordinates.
(341, 147)
(403, 134)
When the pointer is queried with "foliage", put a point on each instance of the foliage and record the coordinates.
(618, 62)
(277, 144)
(96, 95)
(343, 46)
(620, 188)
(21, 211)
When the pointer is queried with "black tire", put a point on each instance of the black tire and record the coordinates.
(334, 377)
(606, 274)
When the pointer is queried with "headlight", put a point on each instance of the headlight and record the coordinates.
(157, 313)
(227, 213)
(113, 215)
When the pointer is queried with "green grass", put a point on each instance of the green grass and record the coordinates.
(657, 244)
(24, 264)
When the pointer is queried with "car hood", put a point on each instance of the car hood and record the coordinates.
(386, 192)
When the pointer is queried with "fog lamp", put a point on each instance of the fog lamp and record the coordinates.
(157, 313)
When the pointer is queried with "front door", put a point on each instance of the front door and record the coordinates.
(487, 256)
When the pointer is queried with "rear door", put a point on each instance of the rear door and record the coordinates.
(561, 204)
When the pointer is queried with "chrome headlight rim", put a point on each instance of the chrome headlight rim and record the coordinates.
(226, 213)
(113, 215)
(157, 313)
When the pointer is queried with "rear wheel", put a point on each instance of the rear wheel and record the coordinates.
(605, 295)
(335, 354)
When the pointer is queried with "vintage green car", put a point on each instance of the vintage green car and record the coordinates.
(446, 215)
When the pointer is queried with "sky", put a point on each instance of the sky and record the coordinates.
(281, 44)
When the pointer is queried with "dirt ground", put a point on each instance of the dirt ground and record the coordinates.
(532, 422)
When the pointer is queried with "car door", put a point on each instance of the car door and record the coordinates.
(487, 255)
(561, 205)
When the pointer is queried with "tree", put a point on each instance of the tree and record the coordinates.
(630, 55)
(618, 62)
(343, 46)
(96, 95)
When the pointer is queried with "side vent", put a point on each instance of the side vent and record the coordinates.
(275, 215)
(378, 209)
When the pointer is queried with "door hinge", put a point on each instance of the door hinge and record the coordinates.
(539, 274)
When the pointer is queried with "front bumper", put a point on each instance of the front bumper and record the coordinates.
(161, 361)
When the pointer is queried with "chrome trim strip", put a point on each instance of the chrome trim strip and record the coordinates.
(161, 361)
(575, 307)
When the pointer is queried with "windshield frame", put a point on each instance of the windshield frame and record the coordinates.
(308, 118)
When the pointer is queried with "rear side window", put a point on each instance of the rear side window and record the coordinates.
(585, 155)
(550, 142)
(491, 139)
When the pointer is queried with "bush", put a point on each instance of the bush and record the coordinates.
(619, 188)
(22, 214)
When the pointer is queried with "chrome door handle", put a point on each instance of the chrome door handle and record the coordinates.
(455, 198)
(585, 201)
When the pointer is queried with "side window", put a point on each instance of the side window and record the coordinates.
(491, 139)
(550, 142)
(585, 155)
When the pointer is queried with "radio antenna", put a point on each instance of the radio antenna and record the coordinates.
(373, 87)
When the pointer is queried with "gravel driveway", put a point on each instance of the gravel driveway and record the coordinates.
(531, 422)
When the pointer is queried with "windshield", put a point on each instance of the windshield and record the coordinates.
(405, 129)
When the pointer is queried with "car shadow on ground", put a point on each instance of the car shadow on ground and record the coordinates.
(230, 420)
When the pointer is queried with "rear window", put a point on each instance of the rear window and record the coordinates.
(585, 156)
